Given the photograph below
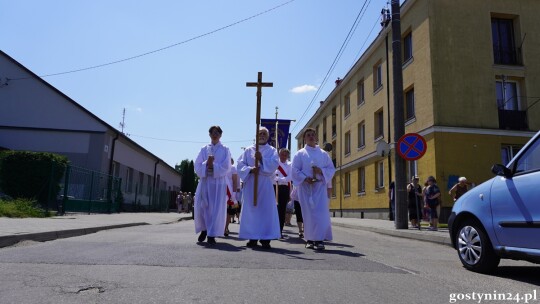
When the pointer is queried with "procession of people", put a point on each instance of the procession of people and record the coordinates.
(266, 177)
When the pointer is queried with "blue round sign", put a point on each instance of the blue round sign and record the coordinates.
(411, 146)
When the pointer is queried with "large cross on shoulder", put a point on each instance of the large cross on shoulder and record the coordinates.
(259, 84)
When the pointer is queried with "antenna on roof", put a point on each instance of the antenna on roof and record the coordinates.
(123, 124)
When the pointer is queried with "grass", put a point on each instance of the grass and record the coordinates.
(21, 208)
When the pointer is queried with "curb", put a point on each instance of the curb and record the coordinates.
(53, 235)
(438, 239)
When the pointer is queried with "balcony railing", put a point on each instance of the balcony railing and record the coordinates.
(507, 55)
(513, 120)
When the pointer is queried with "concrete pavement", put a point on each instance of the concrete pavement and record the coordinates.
(13, 231)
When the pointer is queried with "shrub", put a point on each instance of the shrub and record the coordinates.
(31, 175)
(20, 208)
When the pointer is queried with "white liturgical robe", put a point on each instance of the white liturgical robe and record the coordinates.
(259, 222)
(313, 198)
(211, 195)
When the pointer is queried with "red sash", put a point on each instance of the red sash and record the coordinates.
(229, 195)
(284, 173)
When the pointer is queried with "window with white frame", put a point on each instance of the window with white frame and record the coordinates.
(348, 143)
(347, 185)
(508, 152)
(409, 104)
(508, 95)
(361, 179)
(360, 92)
(347, 104)
(379, 176)
(377, 77)
(361, 134)
(407, 47)
(412, 169)
(379, 124)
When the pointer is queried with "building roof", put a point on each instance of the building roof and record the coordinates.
(111, 128)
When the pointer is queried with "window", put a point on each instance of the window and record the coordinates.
(508, 152)
(334, 122)
(334, 186)
(377, 77)
(347, 186)
(412, 169)
(407, 47)
(379, 124)
(409, 105)
(379, 174)
(347, 143)
(149, 185)
(507, 95)
(504, 50)
(361, 179)
(347, 105)
(324, 130)
(129, 179)
(116, 169)
(361, 135)
(360, 93)
(141, 182)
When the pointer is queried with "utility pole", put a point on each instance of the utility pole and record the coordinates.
(399, 119)
(123, 124)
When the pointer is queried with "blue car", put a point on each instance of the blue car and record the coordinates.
(500, 219)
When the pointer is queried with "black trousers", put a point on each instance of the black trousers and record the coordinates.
(283, 199)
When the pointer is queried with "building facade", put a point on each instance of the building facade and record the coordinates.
(35, 116)
(470, 74)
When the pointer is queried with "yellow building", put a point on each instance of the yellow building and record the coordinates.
(471, 74)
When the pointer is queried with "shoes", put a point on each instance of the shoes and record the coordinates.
(319, 246)
(211, 240)
(252, 243)
(266, 244)
(310, 245)
(433, 229)
(233, 221)
(301, 235)
(226, 232)
(202, 236)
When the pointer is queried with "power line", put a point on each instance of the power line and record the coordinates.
(334, 63)
(363, 44)
(166, 47)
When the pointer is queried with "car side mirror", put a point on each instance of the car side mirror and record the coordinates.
(501, 170)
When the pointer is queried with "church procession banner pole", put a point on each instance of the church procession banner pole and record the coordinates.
(276, 144)
(259, 84)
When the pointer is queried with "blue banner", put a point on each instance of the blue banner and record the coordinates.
(282, 134)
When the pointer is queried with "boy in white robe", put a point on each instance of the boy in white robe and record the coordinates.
(261, 222)
(212, 165)
(312, 170)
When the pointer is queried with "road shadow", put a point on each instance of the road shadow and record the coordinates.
(340, 252)
(221, 246)
(525, 274)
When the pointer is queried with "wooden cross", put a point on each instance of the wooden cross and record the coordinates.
(259, 84)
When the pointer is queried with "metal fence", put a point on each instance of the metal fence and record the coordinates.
(84, 190)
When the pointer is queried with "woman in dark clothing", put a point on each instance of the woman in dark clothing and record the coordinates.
(415, 201)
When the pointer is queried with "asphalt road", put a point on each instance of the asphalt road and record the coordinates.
(163, 264)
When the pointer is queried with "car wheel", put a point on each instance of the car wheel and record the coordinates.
(474, 247)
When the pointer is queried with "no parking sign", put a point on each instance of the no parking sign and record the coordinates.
(411, 146)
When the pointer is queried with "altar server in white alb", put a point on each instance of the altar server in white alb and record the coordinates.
(261, 222)
(312, 170)
(212, 165)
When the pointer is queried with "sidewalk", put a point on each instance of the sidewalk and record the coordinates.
(387, 227)
(13, 231)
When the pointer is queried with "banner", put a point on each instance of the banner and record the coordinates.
(282, 134)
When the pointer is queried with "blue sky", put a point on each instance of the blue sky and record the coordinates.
(174, 95)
